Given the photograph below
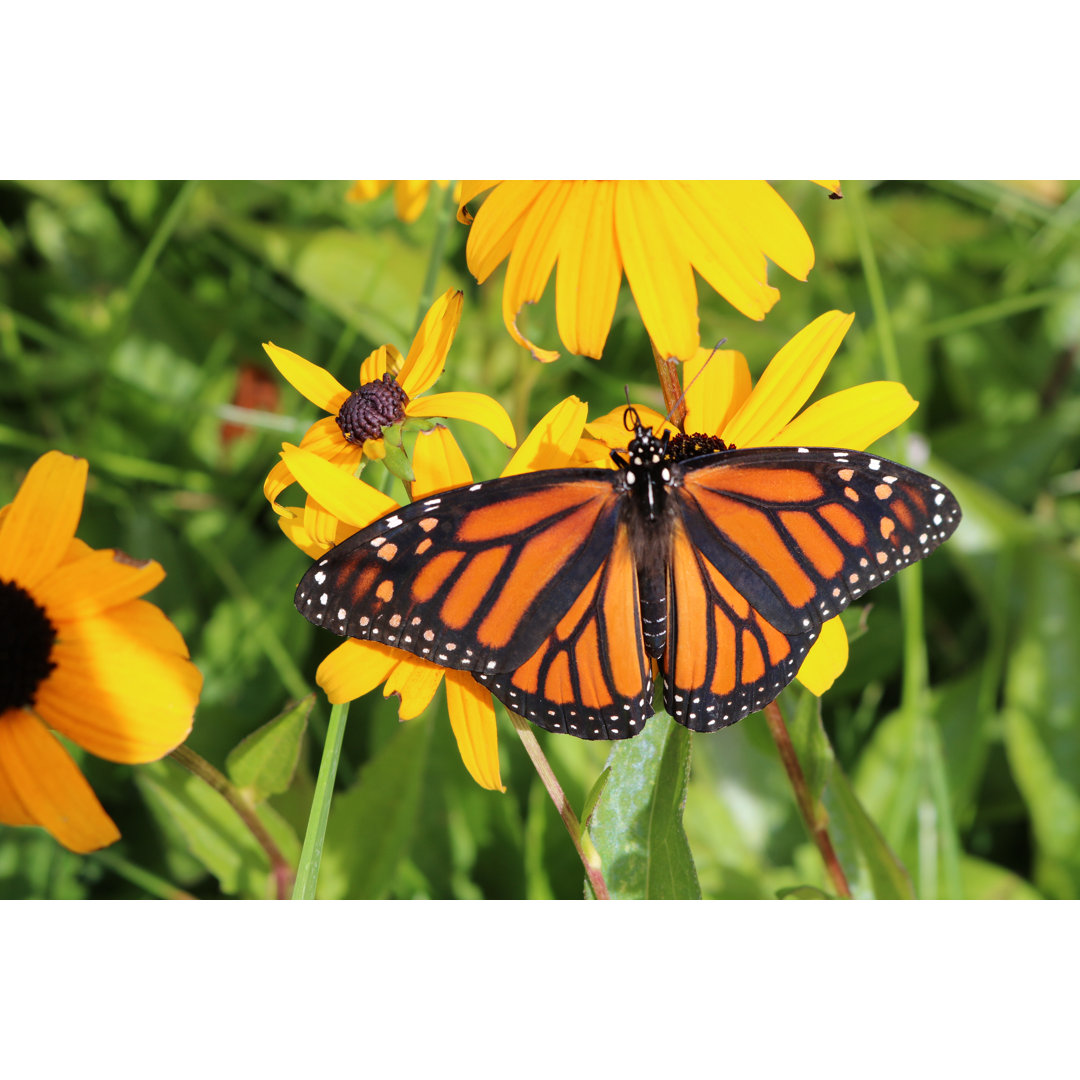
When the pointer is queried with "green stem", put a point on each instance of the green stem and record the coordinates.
(442, 230)
(590, 857)
(280, 869)
(140, 878)
(307, 871)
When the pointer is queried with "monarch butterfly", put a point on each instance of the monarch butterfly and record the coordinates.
(556, 589)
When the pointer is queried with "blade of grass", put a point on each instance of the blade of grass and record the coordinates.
(307, 871)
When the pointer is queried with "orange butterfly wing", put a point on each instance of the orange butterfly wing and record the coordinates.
(590, 677)
(475, 578)
(766, 545)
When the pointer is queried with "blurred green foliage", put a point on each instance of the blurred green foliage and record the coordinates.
(131, 312)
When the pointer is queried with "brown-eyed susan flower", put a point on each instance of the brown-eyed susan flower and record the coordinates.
(356, 667)
(389, 392)
(81, 655)
(721, 400)
(410, 196)
(657, 232)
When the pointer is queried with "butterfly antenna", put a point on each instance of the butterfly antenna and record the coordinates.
(682, 396)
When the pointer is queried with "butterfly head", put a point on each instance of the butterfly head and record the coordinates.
(645, 448)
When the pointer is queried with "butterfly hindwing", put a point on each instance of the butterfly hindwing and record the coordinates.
(473, 578)
(590, 677)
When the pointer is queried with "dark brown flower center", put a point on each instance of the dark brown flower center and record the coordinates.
(683, 446)
(26, 641)
(372, 407)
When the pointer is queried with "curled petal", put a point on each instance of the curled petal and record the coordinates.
(41, 783)
(590, 271)
(472, 718)
(467, 405)
(551, 443)
(438, 463)
(415, 682)
(467, 191)
(40, 521)
(829, 185)
(314, 382)
(791, 377)
(533, 258)
(855, 417)
(427, 355)
(498, 223)
(378, 362)
(717, 384)
(827, 658)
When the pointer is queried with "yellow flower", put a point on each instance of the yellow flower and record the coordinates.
(81, 655)
(657, 231)
(389, 392)
(356, 667)
(410, 196)
(721, 401)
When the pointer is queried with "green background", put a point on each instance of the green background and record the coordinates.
(127, 310)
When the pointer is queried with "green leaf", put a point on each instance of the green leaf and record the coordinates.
(371, 824)
(871, 867)
(195, 816)
(265, 761)
(593, 798)
(1042, 737)
(637, 826)
(802, 892)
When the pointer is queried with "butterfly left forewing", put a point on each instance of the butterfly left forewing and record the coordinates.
(471, 578)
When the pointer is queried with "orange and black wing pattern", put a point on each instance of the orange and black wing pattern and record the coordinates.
(476, 578)
(590, 676)
(766, 544)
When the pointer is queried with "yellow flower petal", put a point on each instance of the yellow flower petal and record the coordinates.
(532, 260)
(611, 428)
(355, 668)
(709, 231)
(345, 497)
(717, 384)
(472, 718)
(551, 443)
(427, 355)
(296, 533)
(12, 809)
(113, 694)
(314, 382)
(852, 418)
(467, 405)
(467, 191)
(830, 185)
(791, 377)
(590, 271)
(42, 518)
(498, 223)
(277, 480)
(827, 658)
(660, 278)
(365, 190)
(770, 225)
(103, 580)
(378, 362)
(48, 786)
(415, 683)
(410, 198)
(438, 463)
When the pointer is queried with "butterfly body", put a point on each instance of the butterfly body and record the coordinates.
(558, 589)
